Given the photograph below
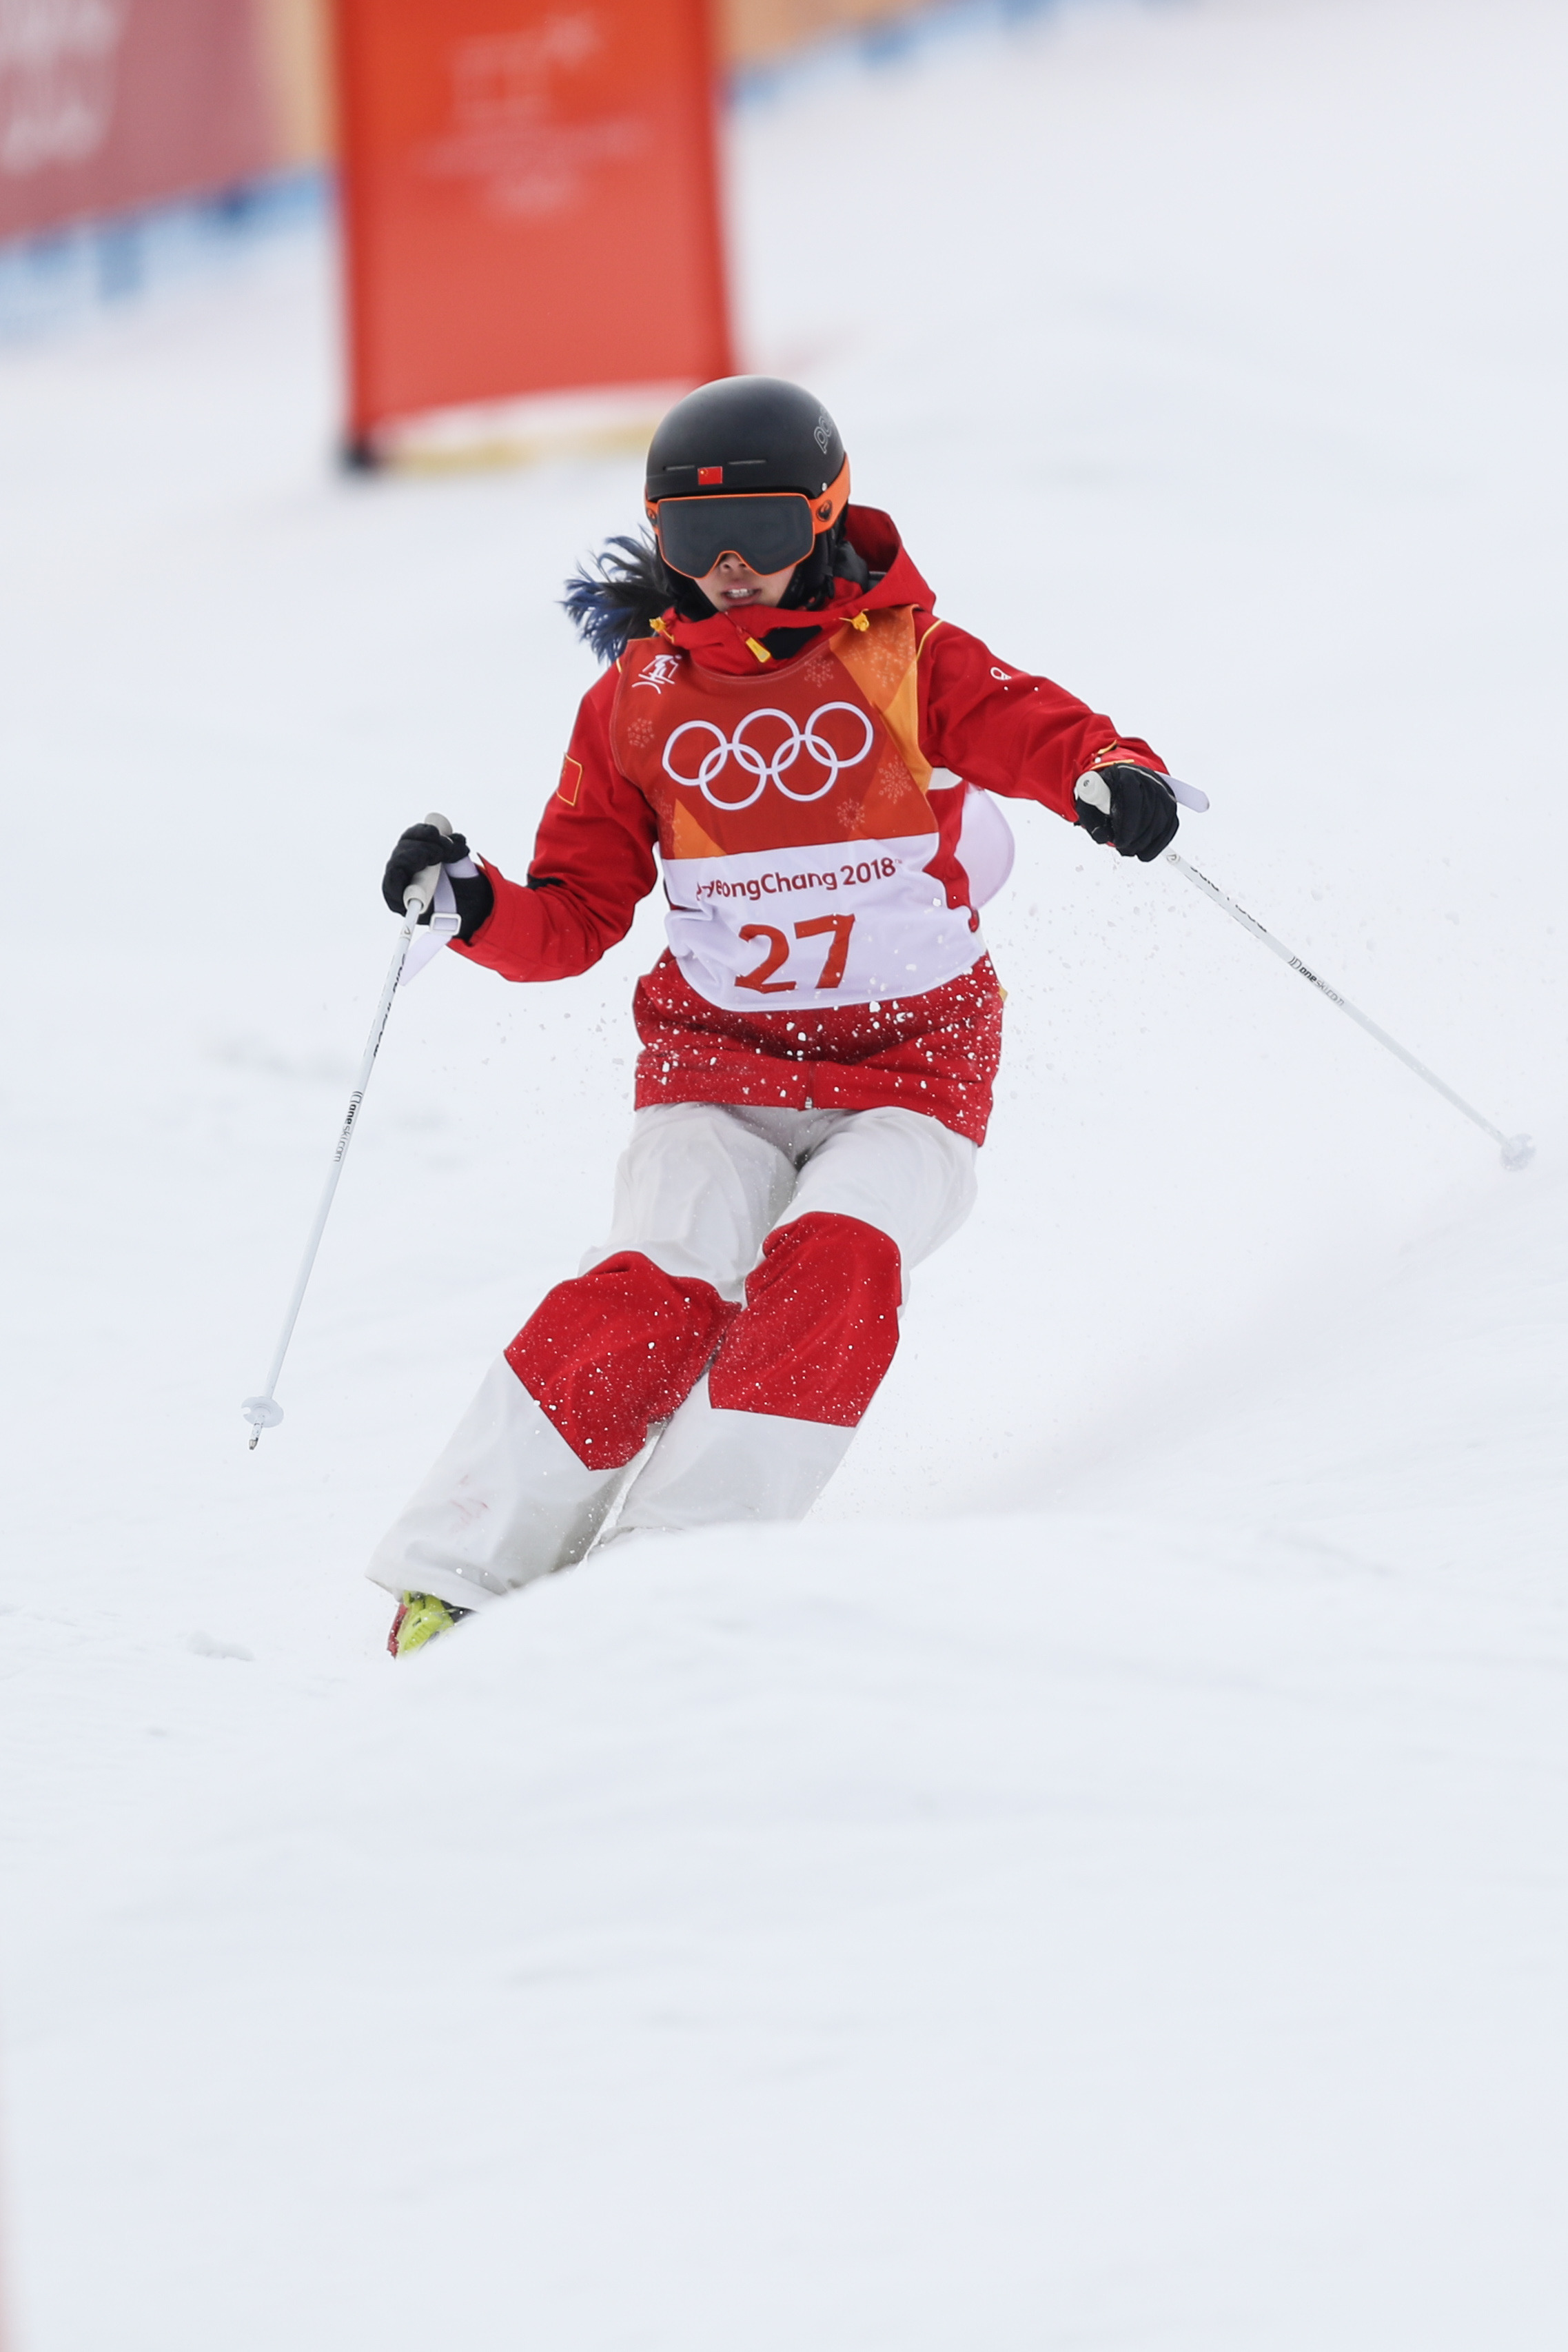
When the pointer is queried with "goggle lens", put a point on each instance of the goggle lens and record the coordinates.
(771, 529)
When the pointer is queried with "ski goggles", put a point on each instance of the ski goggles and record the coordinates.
(771, 529)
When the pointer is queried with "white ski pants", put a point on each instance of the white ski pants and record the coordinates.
(741, 1313)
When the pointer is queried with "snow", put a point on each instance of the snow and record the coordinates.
(1102, 1880)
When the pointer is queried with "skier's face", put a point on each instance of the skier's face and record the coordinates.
(733, 582)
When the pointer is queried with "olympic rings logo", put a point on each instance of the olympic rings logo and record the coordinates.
(768, 769)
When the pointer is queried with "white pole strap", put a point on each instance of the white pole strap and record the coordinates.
(444, 924)
(1091, 787)
(1517, 1150)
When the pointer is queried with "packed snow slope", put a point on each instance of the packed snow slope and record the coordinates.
(1102, 1880)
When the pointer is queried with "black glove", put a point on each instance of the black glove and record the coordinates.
(1141, 820)
(423, 845)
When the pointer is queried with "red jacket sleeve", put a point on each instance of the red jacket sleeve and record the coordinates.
(1006, 730)
(593, 860)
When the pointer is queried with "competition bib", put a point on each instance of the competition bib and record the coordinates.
(794, 825)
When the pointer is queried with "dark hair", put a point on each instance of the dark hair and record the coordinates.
(618, 595)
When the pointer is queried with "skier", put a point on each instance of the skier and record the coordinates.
(787, 727)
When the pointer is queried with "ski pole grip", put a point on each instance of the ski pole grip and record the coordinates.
(421, 891)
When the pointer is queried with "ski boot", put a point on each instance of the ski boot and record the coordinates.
(420, 1618)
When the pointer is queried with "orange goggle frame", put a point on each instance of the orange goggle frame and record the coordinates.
(771, 530)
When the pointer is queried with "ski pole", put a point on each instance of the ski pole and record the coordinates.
(1517, 1150)
(263, 1412)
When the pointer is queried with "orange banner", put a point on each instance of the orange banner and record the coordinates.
(530, 200)
(105, 104)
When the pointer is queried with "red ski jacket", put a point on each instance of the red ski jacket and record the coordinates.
(807, 808)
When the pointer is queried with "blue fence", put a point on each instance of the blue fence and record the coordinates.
(49, 280)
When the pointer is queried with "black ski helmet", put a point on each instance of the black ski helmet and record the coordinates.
(749, 433)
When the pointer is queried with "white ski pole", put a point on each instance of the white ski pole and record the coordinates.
(1517, 1150)
(263, 1412)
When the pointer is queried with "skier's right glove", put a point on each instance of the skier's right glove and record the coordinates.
(423, 845)
(1130, 809)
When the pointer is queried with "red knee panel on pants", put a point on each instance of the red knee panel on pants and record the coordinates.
(819, 1324)
(616, 1349)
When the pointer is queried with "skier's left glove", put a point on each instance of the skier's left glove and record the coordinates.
(423, 845)
(1130, 809)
